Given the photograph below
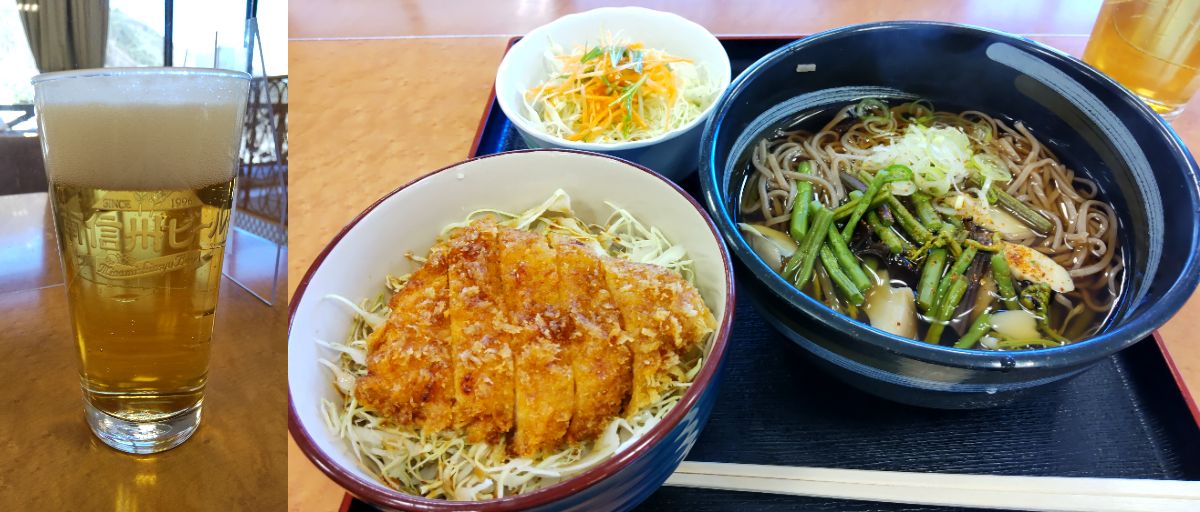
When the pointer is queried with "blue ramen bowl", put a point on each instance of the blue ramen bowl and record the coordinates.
(1093, 124)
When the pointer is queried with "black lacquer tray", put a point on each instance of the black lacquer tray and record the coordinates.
(1128, 417)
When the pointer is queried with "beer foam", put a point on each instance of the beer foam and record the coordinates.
(141, 131)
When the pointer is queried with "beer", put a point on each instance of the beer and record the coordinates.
(141, 183)
(143, 270)
(1152, 47)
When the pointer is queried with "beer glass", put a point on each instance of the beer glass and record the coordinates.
(1152, 47)
(142, 164)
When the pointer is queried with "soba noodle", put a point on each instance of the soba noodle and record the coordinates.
(1083, 239)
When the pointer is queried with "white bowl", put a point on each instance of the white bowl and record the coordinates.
(355, 263)
(673, 154)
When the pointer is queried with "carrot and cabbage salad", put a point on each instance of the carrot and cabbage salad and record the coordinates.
(617, 91)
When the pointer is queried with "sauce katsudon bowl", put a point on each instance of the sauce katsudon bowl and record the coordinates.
(382, 241)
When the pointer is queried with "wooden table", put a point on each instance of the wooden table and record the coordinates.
(51, 460)
(388, 91)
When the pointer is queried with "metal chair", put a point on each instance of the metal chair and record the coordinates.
(262, 176)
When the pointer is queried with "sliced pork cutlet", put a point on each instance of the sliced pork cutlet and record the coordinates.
(408, 358)
(479, 334)
(664, 316)
(545, 391)
(600, 357)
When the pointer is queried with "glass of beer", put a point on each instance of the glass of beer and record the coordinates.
(142, 164)
(1152, 47)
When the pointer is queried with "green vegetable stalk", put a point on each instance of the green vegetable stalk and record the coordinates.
(844, 211)
(1021, 210)
(847, 261)
(907, 222)
(924, 206)
(995, 247)
(848, 289)
(804, 191)
(1036, 298)
(799, 266)
(894, 243)
(1003, 277)
(930, 275)
(1009, 344)
(945, 308)
(960, 265)
(979, 327)
(891, 174)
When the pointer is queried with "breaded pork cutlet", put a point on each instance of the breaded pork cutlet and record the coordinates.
(479, 334)
(599, 357)
(663, 315)
(408, 364)
(545, 391)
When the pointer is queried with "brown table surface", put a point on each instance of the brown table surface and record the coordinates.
(384, 92)
(51, 460)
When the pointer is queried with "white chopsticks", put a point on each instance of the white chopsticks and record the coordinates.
(953, 490)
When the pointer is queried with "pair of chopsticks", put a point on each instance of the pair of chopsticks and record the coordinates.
(953, 490)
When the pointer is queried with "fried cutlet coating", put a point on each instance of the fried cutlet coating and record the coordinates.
(545, 390)
(663, 315)
(599, 356)
(480, 335)
(408, 366)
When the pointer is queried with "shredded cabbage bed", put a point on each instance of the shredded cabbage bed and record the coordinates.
(443, 465)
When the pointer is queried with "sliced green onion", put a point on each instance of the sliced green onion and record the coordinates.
(861, 109)
(591, 54)
(991, 167)
(615, 53)
(628, 92)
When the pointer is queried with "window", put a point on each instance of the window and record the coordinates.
(273, 26)
(207, 29)
(135, 33)
(16, 69)
(203, 33)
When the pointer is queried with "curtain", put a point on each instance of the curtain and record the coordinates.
(66, 34)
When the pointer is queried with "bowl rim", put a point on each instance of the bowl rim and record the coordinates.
(526, 126)
(371, 490)
(1074, 354)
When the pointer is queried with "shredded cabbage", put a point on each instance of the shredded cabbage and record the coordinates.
(443, 465)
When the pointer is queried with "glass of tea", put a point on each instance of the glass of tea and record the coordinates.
(142, 164)
(1152, 47)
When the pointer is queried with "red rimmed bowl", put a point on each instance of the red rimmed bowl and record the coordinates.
(355, 263)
